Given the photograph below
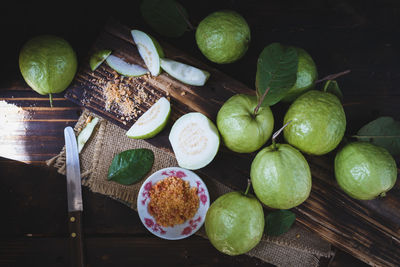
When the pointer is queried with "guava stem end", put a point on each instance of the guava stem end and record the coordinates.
(51, 100)
(248, 187)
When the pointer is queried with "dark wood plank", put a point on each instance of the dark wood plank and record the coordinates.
(329, 212)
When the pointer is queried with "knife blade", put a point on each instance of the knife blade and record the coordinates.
(74, 198)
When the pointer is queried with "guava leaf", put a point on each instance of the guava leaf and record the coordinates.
(276, 70)
(331, 86)
(130, 166)
(384, 132)
(279, 222)
(167, 17)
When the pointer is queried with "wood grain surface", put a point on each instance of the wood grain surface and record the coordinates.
(362, 228)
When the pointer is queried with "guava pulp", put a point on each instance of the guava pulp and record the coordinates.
(365, 171)
(241, 130)
(235, 223)
(280, 176)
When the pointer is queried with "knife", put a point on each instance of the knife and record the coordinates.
(74, 195)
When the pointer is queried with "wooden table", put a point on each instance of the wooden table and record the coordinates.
(339, 35)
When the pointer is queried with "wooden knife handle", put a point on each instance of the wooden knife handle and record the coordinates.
(76, 239)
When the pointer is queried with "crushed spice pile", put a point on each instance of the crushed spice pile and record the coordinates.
(124, 96)
(173, 201)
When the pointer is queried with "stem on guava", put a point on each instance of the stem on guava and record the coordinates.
(260, 101)
(51, 100)
(248, 187)
(333, 76)
(277, 133)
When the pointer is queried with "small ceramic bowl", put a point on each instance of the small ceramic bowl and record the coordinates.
(179, 231)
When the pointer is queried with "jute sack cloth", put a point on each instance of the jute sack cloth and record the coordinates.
(297, 247)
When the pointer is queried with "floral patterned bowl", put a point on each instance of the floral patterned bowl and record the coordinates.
(179, 231)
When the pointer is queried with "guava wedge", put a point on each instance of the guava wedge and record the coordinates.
(124, 68)
(85, 134)
(185, 73)
(195, 140)
(152, 121)
(150, 51)
(97, 58)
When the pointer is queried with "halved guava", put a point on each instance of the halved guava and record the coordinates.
(185, 73)
(195, 140)
(152, 121)
(149, 49)
(124, 68)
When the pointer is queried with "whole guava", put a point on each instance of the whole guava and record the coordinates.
(241, 130)
(317, 122)
(306, 76)
(235, 223)
(48, 64)
(223, 36)
(365, 171)
(280, 176)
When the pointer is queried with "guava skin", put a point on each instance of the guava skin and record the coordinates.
(364, 171)
(241, 130)
(306, 76)
(48, 64)
(318, 123)
(223, 36)
(235, 223)
(281, 177)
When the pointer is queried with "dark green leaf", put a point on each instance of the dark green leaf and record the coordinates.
(277, 70)
(384, 132)
(331, 86)
(279, 222)
(167, 17)
(130, 166)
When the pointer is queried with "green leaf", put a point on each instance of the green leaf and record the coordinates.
(167, 17)
(277, 70)
(384, 132)
(279, 222)
(130, 166)
(331, 86)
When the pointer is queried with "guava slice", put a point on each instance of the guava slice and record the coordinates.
(152, 121)
(85, 134)
(195, 140)
(97, 58)
(185, 73)
(150, 51)
(124, 68)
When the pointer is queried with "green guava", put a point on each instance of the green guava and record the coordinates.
(365, 171)
(280, 176)
(223, 36)
(318, 122)
(306, 76)
(235, 223)
(48, 64)
(241, 130)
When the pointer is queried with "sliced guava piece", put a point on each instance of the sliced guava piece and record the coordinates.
(97, 58)
(185, 73)
(85, 134)
(149, 49)
(195, 140)
(152, 121)
(125, 68)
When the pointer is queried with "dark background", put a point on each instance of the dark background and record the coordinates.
(363, 36)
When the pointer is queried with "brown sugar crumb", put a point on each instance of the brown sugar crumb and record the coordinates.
(172, 201)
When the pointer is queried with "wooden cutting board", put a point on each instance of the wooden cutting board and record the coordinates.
(369, 230)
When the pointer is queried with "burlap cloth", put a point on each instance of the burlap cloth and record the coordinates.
(297, 247)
